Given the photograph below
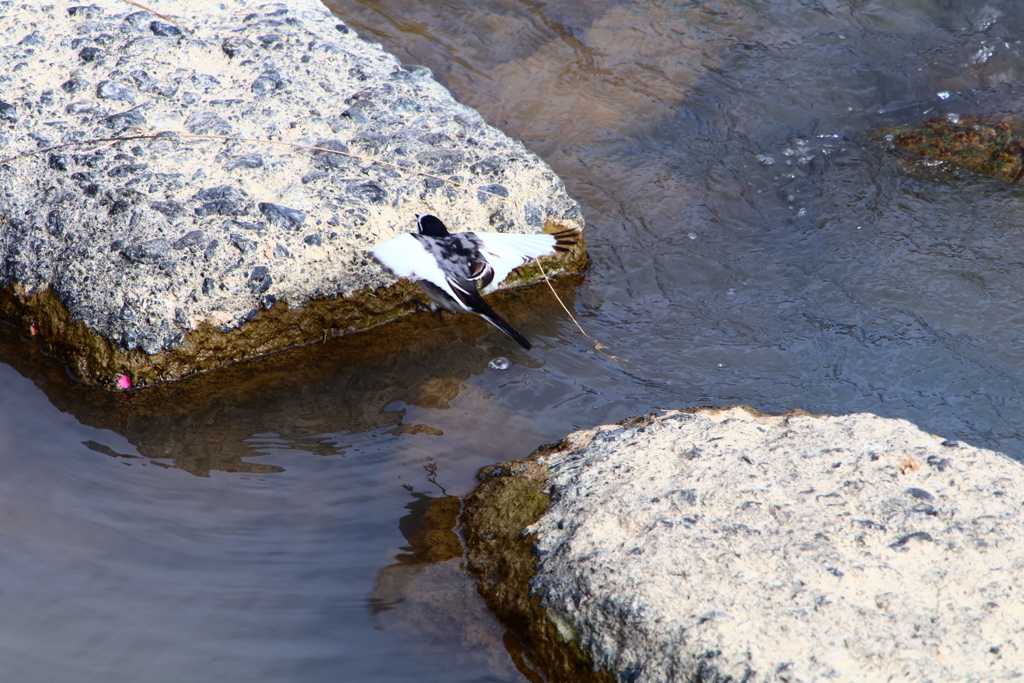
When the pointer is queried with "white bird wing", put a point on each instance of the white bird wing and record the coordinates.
(405, 256)
(506, 252)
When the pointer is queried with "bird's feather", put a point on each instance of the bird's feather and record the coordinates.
(452, 267)
(404, 256)
(506, 252)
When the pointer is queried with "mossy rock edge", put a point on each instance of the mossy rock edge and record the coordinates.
(499, 555)
(96, 360)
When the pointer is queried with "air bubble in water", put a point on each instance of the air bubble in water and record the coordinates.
(944, 95)
(692, 235)
(953, 118)
(500, 363)
(765, 159)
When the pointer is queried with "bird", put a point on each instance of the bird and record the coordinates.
(452, 268)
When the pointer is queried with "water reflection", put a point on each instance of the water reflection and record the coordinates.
(750, 241)
(309, 400)
(430, 530)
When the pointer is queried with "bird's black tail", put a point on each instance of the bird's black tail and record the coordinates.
(496, 320)
(470, 296)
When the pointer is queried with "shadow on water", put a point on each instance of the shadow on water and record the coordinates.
(307, 399)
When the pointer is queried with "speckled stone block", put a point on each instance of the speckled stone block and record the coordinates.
(148, 239)
(726, 545)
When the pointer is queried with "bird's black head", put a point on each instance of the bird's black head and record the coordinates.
(431, 226)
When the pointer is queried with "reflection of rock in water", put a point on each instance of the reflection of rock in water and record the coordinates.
(430, 529)
(345, 385)
(442, 607)
(427, 593)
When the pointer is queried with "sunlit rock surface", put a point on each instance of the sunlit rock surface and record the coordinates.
(159, 257)
(728, 545)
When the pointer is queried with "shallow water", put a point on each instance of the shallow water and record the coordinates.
(750, 244)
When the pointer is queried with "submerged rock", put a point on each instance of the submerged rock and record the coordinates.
(89, 227)
(990, 148)
(723, 544)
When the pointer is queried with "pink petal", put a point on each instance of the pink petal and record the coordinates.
(124, 381)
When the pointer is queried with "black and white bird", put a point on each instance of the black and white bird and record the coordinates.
(451, 268)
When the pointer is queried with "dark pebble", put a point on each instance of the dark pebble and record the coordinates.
(91, 54)
(247, 225)
(149, 252)
(244, 161)
(267, 301)
(950, 444)
(488, 191)
(211, 250)
(328, 161)
(282, 215)
(91, 190)
(314, 240)
(60, 162)
(55, 223)
(267, 82)
(219, 192)
(260, 280)
(243, 243)
(85, 11)
(281, 252)
(169, 208)
(370, 191)
(109, 90)
(34, 38)
(74, 84)
(251, 315)
(126, 170)
(180, 318)
(221, 207)
(127, 119)
(81, 108)
(207, 123)
(190, 239)
(163, 30)
(139, 20)
(313, 176)
(919, 493)
(119, 207)
(209, 284)
(8, 112)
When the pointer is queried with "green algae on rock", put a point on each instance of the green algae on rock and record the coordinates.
(994, 149)
(499, 553)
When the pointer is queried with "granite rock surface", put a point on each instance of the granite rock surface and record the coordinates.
(724, 545)
(147, 239)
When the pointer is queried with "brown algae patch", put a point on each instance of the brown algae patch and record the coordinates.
(994, 149)
(499, 554)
